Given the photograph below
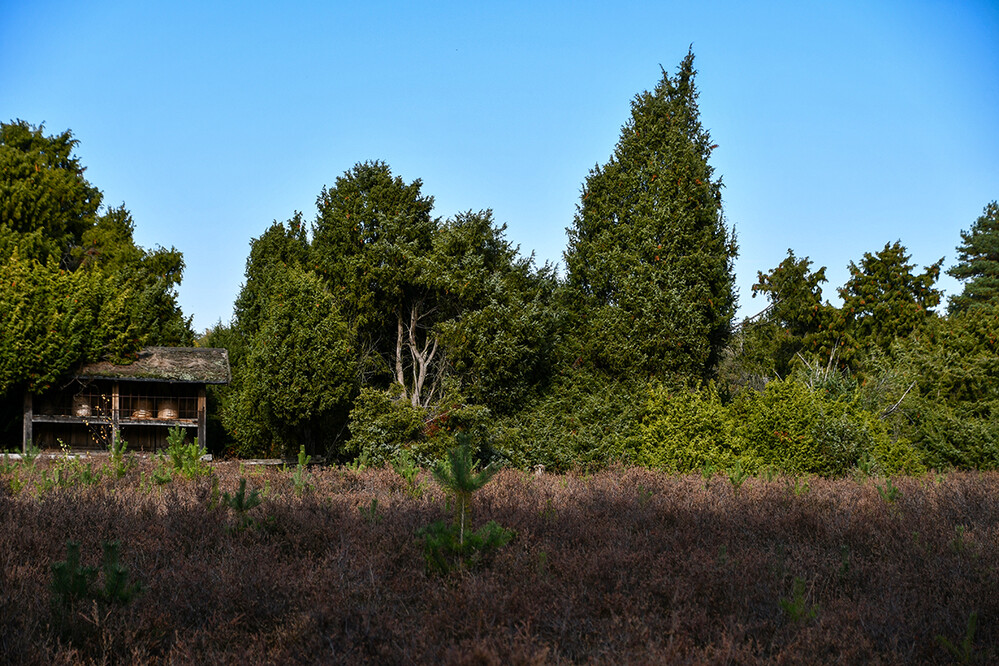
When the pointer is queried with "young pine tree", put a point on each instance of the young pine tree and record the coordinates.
(978, 262)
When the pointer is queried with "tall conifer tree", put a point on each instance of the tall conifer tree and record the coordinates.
(978, 262)
(650, 258)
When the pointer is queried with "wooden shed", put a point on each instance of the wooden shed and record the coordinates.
(163, 388)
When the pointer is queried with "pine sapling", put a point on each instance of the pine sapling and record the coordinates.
(117, 587)
(797, 606)
(70, 581)
(963, 652)
(737, 475)
(241, 503)
(889, 492)
(457, 476)
(300, 477)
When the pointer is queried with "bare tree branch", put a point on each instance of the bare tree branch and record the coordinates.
(892, 409)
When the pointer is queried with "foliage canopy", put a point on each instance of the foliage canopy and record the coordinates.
(649, 259)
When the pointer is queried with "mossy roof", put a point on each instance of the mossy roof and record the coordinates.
(195, 365)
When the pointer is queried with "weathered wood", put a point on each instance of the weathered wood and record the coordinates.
(28, 416)
(202, 417)
(115, 413)
(163, 388)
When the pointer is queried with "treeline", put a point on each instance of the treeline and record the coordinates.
(376, 329)
(74, 287)
(387, 329)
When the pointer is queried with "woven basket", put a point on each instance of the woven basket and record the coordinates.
(167, 410)
(143, 409)
(81, 406)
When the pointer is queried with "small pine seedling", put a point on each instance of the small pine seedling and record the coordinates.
(370, 512)
(457, 476)
(300, 477)
(964, 653)
(117, 587)
(737, 476)
(70, 581)
(889, 492)
(405, 466)
(797, 607)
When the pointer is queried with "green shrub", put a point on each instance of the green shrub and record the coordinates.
(797, 607)
(405, 466)
(798, 429)
(72, 583)
(446, 545)
(776, 424)
(381, 425)
(119, 462)
(241, 503)
(300, 477)
(457, 477)
(954, 436)
(687, 430)
(584, 420)
(444, 549)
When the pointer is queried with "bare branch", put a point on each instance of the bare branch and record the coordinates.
(892, 409)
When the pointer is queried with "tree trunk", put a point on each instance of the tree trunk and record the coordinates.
(400, 377)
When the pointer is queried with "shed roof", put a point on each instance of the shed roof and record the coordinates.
(195, 365)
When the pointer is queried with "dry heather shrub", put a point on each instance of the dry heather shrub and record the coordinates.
(625, 566)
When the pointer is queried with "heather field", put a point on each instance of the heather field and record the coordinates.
(622, 566)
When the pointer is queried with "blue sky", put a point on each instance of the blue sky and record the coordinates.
(841, 125)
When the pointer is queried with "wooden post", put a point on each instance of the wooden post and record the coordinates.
(202, 417)
(115, 416)
(28, 414)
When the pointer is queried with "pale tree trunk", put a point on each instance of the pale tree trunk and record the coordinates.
(416, 355)
(422, 355)
(400, 377)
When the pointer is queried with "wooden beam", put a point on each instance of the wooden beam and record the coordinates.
(202, 417)
(115, 413)
(28, 414)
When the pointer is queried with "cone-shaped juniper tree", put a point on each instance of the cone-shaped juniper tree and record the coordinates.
(649, 257)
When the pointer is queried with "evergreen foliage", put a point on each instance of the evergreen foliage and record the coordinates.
(458, 477)
(583, 420)
(649, 259)
(796, 319)
(687, 430)
(884, 300)
(952, 410)
(46, 204)
(978, 262)
(74, 287)
(385, 327)
(789, 427)
(371, 243)
(298, 374)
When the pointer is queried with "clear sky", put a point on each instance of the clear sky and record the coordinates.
(841, 125)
